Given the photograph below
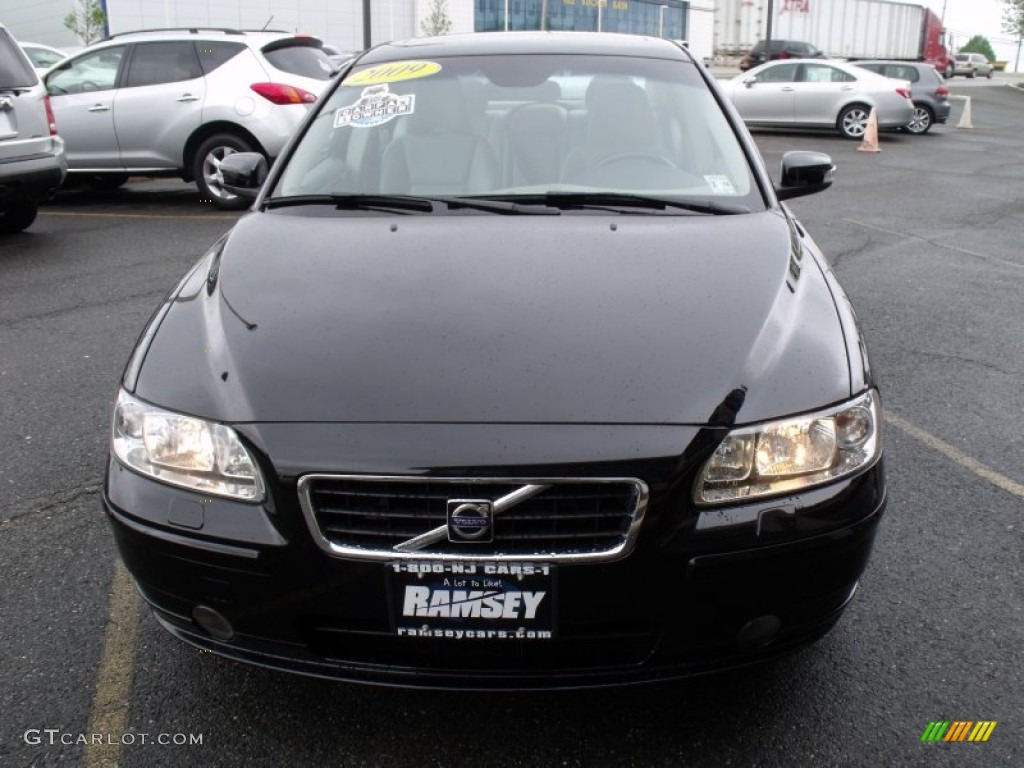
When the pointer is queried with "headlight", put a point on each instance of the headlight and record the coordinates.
(182, 450)
(790, 455)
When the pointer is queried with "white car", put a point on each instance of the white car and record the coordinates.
(817, 93)
(42, 56)
(973, 65)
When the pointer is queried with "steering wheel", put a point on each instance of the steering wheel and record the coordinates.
(651, 157)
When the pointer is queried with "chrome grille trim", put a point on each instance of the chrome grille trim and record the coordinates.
(620, 550)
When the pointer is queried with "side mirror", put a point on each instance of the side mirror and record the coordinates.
(243, 173)
(750, 81)
(804, 173)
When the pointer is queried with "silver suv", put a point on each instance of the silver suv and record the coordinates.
(175, 102)
(32, 160)
(973, 65)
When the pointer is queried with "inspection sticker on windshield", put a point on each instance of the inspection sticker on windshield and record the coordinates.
(720, 185)
(393, 72)
(375, 106)
(472, 601)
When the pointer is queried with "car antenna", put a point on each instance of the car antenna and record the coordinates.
(268, 23)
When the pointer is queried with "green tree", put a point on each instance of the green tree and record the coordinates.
(1013, 17)
(978, 44)
(438, 21)
(87, 20)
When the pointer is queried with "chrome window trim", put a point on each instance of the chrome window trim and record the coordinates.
(356, 553)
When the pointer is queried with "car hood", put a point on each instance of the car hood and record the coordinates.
(601, 319)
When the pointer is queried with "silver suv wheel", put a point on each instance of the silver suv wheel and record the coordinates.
(207, 170)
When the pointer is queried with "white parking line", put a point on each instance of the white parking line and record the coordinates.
(961, 458)
(109, 715)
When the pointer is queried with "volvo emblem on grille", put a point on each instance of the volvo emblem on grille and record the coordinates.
(470, 520)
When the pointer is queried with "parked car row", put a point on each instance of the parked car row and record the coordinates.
(817, 93)
(967, 64)
(177, 102)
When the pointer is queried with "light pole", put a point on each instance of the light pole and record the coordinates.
(599, 4)
(661, 20)
(506, 15)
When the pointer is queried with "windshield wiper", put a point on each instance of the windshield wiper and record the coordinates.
(410, 203)
(498, 204)
(355, 202)
(619, 202)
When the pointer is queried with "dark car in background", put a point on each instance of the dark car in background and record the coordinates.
(32, 162)
(780, 49)
(929, 91)
(518, 374)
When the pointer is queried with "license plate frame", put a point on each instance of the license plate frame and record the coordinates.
(472, 600)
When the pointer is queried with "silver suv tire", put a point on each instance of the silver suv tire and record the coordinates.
(17, 216)
(207, 164)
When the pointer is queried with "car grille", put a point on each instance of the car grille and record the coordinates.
(575, 520)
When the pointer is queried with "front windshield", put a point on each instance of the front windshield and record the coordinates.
(504, 126)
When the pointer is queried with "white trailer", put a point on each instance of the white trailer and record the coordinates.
(700, 29)
(855, 29)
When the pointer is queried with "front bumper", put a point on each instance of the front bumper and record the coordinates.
(714, 591)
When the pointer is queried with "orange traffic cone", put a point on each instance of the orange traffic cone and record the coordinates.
(870, 143)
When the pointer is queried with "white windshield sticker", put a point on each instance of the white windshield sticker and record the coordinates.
(720, 185)
(375, 106)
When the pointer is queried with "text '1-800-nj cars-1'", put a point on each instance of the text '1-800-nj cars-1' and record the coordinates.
(518, 374)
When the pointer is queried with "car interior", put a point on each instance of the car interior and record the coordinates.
(468, 134)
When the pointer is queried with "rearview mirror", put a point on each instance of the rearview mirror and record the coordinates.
(243, 173)
(750, 81)
(804, 173)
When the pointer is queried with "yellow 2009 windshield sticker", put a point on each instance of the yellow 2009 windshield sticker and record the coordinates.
(393, 72)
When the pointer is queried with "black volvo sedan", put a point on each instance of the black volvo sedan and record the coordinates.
(518, 374)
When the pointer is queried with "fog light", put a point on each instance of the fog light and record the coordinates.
(216, 626)
(758, 632)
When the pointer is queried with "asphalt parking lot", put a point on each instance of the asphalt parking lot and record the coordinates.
(925, 237)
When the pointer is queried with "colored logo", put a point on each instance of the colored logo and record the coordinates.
(958, 730)
(394, 72)
(375, 106)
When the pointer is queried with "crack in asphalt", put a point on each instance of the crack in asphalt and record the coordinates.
(959, 358)
(50, 502)
(937, 244)
(53, 313)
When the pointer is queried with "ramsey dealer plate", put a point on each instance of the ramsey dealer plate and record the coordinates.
(472, 600)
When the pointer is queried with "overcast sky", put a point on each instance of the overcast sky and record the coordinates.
(966, 18)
